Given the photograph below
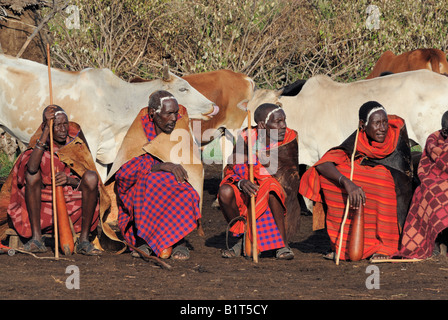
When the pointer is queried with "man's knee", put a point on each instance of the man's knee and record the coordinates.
(90, 179)
(226, 194)
(33, 180)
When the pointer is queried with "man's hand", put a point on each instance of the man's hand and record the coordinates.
(179, 172)
(248, 187)
(62, 179)
(356, 195)
(48, 115)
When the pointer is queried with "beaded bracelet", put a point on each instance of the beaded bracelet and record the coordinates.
(40, 145)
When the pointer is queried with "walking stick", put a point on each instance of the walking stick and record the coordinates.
(251, 221)
(53, 178)
(341, 233)
(62, 224)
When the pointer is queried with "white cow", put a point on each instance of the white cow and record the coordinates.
(103, 104)
(325, 112)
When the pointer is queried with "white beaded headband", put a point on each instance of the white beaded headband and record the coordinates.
(374, 110)
(60, 112)
(270, 113)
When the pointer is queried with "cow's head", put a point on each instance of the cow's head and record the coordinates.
(198, 106)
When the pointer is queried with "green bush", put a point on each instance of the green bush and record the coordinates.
(5, 165)
(274, 41)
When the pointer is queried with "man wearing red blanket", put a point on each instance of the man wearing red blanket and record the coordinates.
(30, 207)
(158, 207)
(269, 137)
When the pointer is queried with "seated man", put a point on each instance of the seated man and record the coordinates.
(31, 208)
(158, 207)
(428, 215)
(381, 182)
(270, 136)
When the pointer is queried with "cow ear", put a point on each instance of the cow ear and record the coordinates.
(279, 92)
(166, 71)
(243, 104)
(182, 110)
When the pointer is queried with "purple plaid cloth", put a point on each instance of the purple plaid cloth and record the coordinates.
(153, 205)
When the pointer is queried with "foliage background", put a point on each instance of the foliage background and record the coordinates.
(275, 42)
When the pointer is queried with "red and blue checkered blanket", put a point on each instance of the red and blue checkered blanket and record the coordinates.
(153, 205)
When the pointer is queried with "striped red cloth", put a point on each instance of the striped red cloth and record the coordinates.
(381, 232)
(153, 205)
(428, 215)
(268, 235)
(73, 197)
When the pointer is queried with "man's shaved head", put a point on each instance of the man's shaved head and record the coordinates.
(445, 120)
(156, 98)
(262, 112)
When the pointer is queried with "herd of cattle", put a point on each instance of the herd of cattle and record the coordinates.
(322, 111)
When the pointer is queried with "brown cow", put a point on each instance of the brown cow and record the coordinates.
(431, 59)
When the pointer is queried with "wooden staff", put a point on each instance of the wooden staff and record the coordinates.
(62, 225)
(145, 255)
(251, 225)
(356, 239)
(347, 206)
(53, 177)
(63, 221)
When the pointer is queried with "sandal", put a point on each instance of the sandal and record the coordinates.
(233, 252)
(35, 246)
(144, 248)
(378, 257)
(87, 248)
(284, 253)
(330, 255)
(181, 252)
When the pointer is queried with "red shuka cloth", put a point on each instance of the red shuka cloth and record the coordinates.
(73, 197)
(381, 232)
(268, 235)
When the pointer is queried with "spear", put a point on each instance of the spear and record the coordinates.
(251, 221)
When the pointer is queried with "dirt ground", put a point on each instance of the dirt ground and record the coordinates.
(207, 276)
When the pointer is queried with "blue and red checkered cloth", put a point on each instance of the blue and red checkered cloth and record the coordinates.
(153, 205)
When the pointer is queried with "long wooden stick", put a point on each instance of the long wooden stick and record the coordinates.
(144, 254)
(347, 206)
(53, 174)
(252, 198)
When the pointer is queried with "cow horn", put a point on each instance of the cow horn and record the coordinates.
(166, 71)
